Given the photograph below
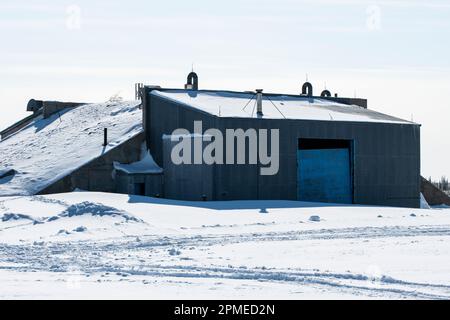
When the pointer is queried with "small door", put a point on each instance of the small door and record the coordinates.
(139, 189)
(324, 175)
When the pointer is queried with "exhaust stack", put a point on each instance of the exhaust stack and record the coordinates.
(259, 96)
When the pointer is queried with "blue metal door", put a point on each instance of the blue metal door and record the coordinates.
(324, 175)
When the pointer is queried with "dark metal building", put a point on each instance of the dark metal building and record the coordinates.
(331, 149)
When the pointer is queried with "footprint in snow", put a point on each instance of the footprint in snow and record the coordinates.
(174, 252)
(80, 229)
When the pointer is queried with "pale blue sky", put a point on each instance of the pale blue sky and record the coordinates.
(394, 53)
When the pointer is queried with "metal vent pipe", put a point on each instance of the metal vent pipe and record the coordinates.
(259, 101)
(307, 89)
(192, 81)
(325, 93)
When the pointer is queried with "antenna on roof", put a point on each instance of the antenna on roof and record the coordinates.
(307, 78)
(192, 67)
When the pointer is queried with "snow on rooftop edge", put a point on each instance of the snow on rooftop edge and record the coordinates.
(47, 150)
(146, 165)
(231, 104)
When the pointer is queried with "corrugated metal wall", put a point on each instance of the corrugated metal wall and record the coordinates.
(386, 156)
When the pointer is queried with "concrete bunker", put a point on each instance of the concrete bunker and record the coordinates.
(141, 178)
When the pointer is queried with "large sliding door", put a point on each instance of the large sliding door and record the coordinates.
(325, 171)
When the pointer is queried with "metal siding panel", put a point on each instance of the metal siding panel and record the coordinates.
(386, 156)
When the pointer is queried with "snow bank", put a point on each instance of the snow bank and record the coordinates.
(423, 202)
(67, 213)
(94, 209)
(13, 216)
(49, 149)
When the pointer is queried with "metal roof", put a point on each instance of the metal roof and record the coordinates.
(275, 106)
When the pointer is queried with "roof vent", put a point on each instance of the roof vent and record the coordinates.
(307, 89)
(325, 93)
(192, 81)
(34, 105)
(259, 96)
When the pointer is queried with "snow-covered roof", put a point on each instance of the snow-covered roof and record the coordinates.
(47, 150)
(144, 166)
(242, 105)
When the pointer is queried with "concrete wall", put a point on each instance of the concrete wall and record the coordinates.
(125, 183)
(386, 156)
(97, 175)
(51, 107)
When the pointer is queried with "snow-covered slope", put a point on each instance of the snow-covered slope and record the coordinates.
(96, 245)
(48, 149)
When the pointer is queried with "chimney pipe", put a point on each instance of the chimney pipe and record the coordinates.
(105, 137)
(259, 97)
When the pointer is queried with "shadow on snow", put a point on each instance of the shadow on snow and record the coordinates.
(261, 205)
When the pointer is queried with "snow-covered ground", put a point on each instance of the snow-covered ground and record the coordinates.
(97, 245)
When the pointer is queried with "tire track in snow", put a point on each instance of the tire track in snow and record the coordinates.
(322, 234)
(353, 283)
(95, 257)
